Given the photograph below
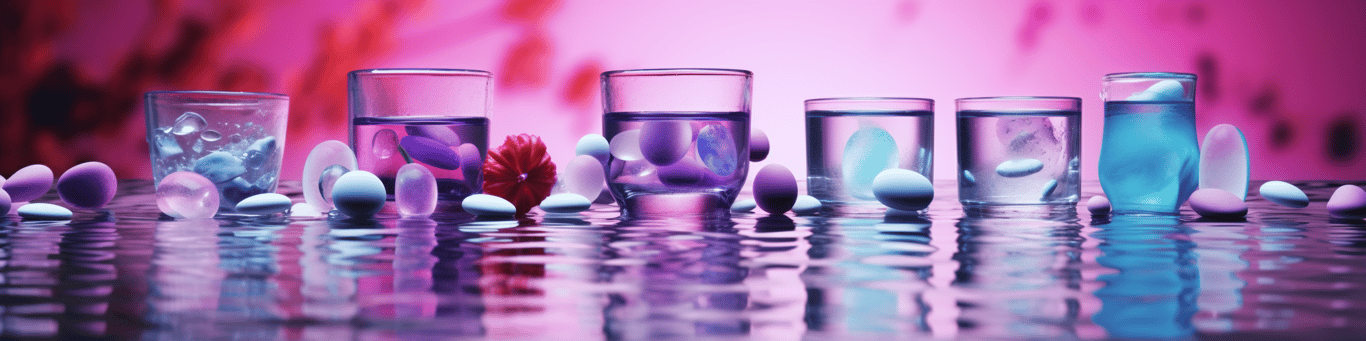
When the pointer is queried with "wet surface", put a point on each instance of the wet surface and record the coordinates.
(128, 275)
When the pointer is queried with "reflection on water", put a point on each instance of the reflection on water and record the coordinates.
(1056, 274)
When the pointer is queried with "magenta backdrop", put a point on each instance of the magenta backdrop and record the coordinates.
(1290, 74)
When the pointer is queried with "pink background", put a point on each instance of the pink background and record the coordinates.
(1290, 74)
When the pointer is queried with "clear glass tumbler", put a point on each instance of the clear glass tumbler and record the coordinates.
(1149, 157)
(850, 140)
(1019, 151)
(234, 139)
(437, 116)
(679, 139)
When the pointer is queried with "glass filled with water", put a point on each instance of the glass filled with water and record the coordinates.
(1149, 157)
(1019, 151)
(679, 139)
(433, 117)
(850, 140)
(234, 139)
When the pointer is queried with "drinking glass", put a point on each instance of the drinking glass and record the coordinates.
(1019, 151)
(438, 117)
(679, 139)
(850, 140)
(234, 139)
(1149, 157)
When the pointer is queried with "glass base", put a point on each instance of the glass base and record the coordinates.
(1029, 211)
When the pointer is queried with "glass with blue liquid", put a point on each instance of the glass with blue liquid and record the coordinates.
(1018, 151)
(849, 141)
(679, 140)
(1149, 157)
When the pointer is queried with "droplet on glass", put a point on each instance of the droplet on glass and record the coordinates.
(189, 123)
(328, 179)
(211, 135)
(384, 144)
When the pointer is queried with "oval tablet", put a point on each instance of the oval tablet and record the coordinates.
(1019, 168)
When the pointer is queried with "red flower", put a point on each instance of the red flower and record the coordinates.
(519, 171)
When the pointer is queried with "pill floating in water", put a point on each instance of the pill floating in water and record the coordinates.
(1348, 202)
(806, 204)
(485, 205)
(41, 211)
(263, 204)
(1216, 203)
(358, 194)
(775, 189)
(1224, 160)
(1284, 194)
(758, 145)
(29, 183)
(1098, 205)
(903, 189)
(593, 145)
(1019, 168)
(743, 205)
(89, 185)
(565, 203)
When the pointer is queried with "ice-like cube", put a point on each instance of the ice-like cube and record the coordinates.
(716, 147)
(1166, 90)
(1224, 160)
(625, 146)
(329, 178)
(187, 195)
(436, 132)
(166, 144)
(1028, 136)
(414, 191)
(384, 144)
(869, 151)
(188, 123)
(260, 152)
(219, 167)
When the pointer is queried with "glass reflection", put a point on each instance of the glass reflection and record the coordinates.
(1152, 294)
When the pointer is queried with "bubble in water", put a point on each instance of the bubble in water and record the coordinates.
(384, 144)
(189, 123)
(211, 135)
(198, 146)
(870, 150)
(329, 178)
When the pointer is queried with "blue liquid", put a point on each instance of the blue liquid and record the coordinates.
(1149, 158)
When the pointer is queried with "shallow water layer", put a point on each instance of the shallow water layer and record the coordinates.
(859, 274)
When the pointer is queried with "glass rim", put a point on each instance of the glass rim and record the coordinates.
(421, 72)
(1157, 75)
(1018, 98)
(237, 94)
(867, 99)
(678, 72)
